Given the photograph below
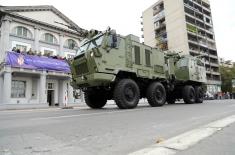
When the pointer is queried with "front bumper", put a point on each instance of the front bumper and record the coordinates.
(91, 80)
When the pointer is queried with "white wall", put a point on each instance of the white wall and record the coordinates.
(45, 16)
(15, 24)
(14, 43)
(176, 26)
(148, 25)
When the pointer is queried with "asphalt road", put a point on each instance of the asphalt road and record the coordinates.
(106, 131)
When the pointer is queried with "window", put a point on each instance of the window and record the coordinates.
(70, 56)
(50, 86)
(48, 52)
(49, 38)
(137, 55)
(22, 32)
(18, 89)
(147, 58)
(71, 44)
(21, 47)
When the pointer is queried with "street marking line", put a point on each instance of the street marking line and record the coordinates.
(90, 114)
(187, 139)
(222, 123)
(153, 151)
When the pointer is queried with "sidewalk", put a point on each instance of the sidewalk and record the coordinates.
(221, 143)
(4, 107)
(24, 106)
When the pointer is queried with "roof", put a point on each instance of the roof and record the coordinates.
(14, 9)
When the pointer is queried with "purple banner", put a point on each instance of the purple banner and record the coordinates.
(36, 62)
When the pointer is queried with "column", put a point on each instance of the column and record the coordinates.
(61, 42)
(82, 97)
(36, 39)
(42, 88)
(7, 86)
(5, 35)
(1, 90)
(70, 94)
(62, 89)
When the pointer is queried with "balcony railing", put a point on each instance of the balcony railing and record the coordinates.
(159, 16)
(18, 60)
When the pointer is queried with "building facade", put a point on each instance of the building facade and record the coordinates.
(185, 26)
(36, 28)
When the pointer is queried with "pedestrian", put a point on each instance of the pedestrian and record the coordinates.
(30, 52)
(39, 54)
(14, 49)
(18, 51)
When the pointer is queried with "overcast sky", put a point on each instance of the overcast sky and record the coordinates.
(124, 16)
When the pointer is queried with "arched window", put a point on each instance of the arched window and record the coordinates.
(22, 32)
(49, 38)
(71, 44)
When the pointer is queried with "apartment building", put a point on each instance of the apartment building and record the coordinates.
(186, 26)
(32, 79)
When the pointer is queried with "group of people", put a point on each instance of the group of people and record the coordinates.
(31, 52)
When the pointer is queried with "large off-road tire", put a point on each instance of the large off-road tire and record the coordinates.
(170, 99)
(95, 99)
(199, 94)
(156, 94)
(126, 94)
(189, 95)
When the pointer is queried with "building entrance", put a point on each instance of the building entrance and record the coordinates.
(51, 94)
(50, 97)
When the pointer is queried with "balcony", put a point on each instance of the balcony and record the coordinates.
(192, 6)
(161, 40)
(214, 64)
(159, 16)
(213, 56)
(158, 8)
(34, 62)
(213, 81)
(159, 25)
(192, 28)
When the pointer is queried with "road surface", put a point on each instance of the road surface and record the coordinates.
(106, 131)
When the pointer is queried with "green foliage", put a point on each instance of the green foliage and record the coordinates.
(227, 74)
(191, 28)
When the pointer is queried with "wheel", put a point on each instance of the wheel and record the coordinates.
(199, 94)
(170, 100)
(126, 94)
(95, 99)
(156, 94)
(189, 94)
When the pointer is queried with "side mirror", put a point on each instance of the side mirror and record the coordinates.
(114, 41)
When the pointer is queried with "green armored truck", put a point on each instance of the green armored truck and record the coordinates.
(113, 67)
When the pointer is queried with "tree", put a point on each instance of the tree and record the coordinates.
(227, 74)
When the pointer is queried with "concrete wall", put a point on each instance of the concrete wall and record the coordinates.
(43, 16)
(13, 25)
(148, 26)
(37, 41)
(35, 89)
(176, 26)
(28, 94)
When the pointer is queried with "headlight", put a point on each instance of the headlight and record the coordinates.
(92, 54)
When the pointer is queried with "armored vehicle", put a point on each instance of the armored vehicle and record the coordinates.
(120, 68)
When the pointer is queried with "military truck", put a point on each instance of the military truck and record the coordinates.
(120, 68)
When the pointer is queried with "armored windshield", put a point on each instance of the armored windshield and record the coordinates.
(89, 44)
